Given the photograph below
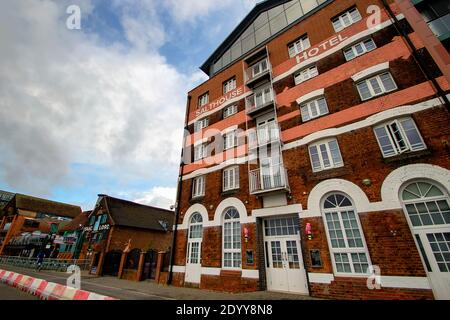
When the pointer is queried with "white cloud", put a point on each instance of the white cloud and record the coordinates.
(67, 98)
(158, 196)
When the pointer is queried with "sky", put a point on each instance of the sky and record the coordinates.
(100, 109)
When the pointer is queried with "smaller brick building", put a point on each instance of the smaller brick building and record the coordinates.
(116, 226)
(27, 223)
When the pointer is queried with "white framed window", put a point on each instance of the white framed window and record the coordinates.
(200, 151)
(376, 86)
(313, 109)
(359, 49)
(259, 68)
(399, 136)
(198, 187)
(195, 239)
(325, 155)
(299, 45)
(203, 99)
(229, 85)
(305, 74)
(230, 110)
(230, 139)
(346, 19)
(231, 178)
(231, 239)
(346, 241)
(201, 124)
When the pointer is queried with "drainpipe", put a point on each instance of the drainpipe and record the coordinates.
(179, 192)
(413, 50)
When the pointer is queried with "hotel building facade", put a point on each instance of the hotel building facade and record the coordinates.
(316, 156)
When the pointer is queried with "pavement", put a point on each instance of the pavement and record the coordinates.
(10, 293)
(148, 290)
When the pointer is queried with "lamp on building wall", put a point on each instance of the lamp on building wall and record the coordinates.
(309, 231)
(246, 234)
(367, 182)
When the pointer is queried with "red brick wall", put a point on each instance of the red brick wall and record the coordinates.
(142, 239)
(229, 281)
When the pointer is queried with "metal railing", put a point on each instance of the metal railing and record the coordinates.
(257, 70)
(261, 98)
(48, 264)
(268, 178)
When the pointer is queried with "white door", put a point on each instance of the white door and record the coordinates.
(194, 250)
(284, 263)
(266, 128)
(427, 207)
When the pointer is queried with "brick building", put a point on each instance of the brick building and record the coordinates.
(27, 224)
(317, 154)
(115, 226)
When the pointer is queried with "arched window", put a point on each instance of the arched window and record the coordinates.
(231, 239)
(347, 246)
(426, 204)
(195, 238)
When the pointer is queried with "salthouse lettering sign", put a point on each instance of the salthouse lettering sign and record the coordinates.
(232, 95)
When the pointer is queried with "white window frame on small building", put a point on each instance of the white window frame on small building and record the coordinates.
(358, 49)
(203, 99)
(230, 139)
(299, 45)
(229, 85)
(229, 111)
(398, 136)
(322, 148)
(376, 85)
(198, 187)
(313, 109)
(346, 19)
(230, 178)
(305, 74)
(201, 124)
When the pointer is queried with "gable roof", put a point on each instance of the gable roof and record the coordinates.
(75, 223)
(130, 214)
(30, 203)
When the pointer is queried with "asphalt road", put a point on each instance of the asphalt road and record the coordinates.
(10, 293)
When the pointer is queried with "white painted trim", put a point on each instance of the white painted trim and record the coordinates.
(224, 105)
(200, 141)
(369, 121)
(275, 211)
(390, 189)
(229, 129)
(251, 274)
(311, 95)
(211, 271)
(180, 269)
(370, 71)
(315, 277)
(220, 166)
(342, 45)
(226, 203)
(197, 207)
(405, 282)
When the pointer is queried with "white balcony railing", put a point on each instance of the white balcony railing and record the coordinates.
(261, 97)
(267, 179)
(257, 70)
(263, 135)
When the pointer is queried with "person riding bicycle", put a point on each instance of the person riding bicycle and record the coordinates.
(40, 261)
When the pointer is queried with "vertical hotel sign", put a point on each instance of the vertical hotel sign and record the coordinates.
(230, 97)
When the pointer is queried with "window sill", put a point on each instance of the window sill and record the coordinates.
(229, 192)
(329, 173)
(404, 157)
(196, 199)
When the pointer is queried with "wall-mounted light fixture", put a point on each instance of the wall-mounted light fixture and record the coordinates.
(367, 182)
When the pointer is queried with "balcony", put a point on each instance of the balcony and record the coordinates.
(268, 179)
(264, 135)
(258, 72)
(260, 100)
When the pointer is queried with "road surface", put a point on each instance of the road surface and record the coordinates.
(10, 293)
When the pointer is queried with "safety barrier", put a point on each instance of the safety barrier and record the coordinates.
(47, 290)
